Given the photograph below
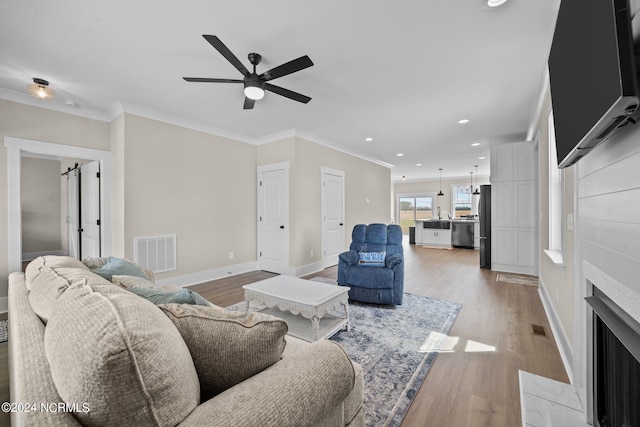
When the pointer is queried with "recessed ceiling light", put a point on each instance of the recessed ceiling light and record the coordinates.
(368, 139)
(475, 144)
(463, 121)
(400, 154)
(482, 158)
(495, 3)
(418, 164)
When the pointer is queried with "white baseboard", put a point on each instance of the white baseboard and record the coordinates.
(4, 304)
(308, 269)
(564, 347)
(208, 275)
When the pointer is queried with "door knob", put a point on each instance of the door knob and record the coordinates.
(282, 227)
(341, 224)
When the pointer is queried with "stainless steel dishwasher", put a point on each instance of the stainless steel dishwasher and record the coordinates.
(462, 234)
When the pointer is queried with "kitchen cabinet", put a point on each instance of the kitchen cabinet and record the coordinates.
(436, 237)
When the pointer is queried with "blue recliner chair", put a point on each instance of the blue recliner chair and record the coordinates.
(374, 277)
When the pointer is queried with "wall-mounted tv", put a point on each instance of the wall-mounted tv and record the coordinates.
(592, 70)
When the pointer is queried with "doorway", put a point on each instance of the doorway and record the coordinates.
(16, 148)
(273, 218)
(332, 216)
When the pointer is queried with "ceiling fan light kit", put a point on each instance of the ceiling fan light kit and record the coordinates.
(255, 84)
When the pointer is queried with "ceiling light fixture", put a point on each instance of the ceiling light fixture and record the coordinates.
(495, 3)
(463, 121)
(475, 144)
(40, 89)
(254, 89)
(368, 139)
(440, 193)
(481, 158)
(400, 154)
(476, 192)
(418, 164)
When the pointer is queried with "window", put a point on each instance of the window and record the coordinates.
(412, 208)
(461, 200)
(556, 200)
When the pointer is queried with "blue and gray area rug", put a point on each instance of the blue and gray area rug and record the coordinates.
(396, 347)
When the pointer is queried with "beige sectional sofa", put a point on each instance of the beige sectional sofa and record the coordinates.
(84, 351)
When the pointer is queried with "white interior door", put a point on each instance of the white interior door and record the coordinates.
(273, 218)
(332, 216)
(90, 210)
(72, 214)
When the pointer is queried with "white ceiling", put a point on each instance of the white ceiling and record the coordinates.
(402, 73)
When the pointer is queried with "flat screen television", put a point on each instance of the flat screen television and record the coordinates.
(592, 71)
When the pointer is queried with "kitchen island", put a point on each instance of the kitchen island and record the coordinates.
(438, 232)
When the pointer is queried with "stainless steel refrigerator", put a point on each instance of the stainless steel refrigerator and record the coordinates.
(484, 212)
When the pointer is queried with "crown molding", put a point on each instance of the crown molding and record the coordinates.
(120, 108)
(53, 105)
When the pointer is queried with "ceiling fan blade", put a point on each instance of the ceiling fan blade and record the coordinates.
(287, 68)
(249, 103)
(287, 93)
(224, 51)
(208, 80)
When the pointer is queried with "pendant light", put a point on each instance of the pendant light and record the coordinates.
(440, 193)
(471, 186)
(476, 192)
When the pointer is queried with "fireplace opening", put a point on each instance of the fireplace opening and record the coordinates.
(616, 364)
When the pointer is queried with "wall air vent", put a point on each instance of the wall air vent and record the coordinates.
(157, 253)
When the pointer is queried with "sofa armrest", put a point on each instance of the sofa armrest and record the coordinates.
(349, 257)
(393, 260)
(298, 390)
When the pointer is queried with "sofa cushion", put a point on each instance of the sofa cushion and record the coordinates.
(119, 266)
(33, 268)
(51, 282)
(122, 356)
(227, 346)
(159, 296)
(370, 277)
(126, 281)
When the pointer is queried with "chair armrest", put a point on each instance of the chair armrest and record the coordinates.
(298, 390)
(350, 257)
(393, 260)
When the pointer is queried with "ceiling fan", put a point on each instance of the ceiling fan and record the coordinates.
(255, 84)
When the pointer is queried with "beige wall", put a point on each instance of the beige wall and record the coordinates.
(557, 280)
(195, 185)
(363, 180)
(167, 179)
(29, 122)
(41, 201)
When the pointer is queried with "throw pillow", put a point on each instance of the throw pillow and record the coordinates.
(126, 281)
(374, 259)
(119, 266)
(122, 356)
(160, 296)
(227, 346)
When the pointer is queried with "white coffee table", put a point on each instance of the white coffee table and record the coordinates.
(303, 304)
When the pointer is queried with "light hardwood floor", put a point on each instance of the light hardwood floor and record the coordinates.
(475, 381)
